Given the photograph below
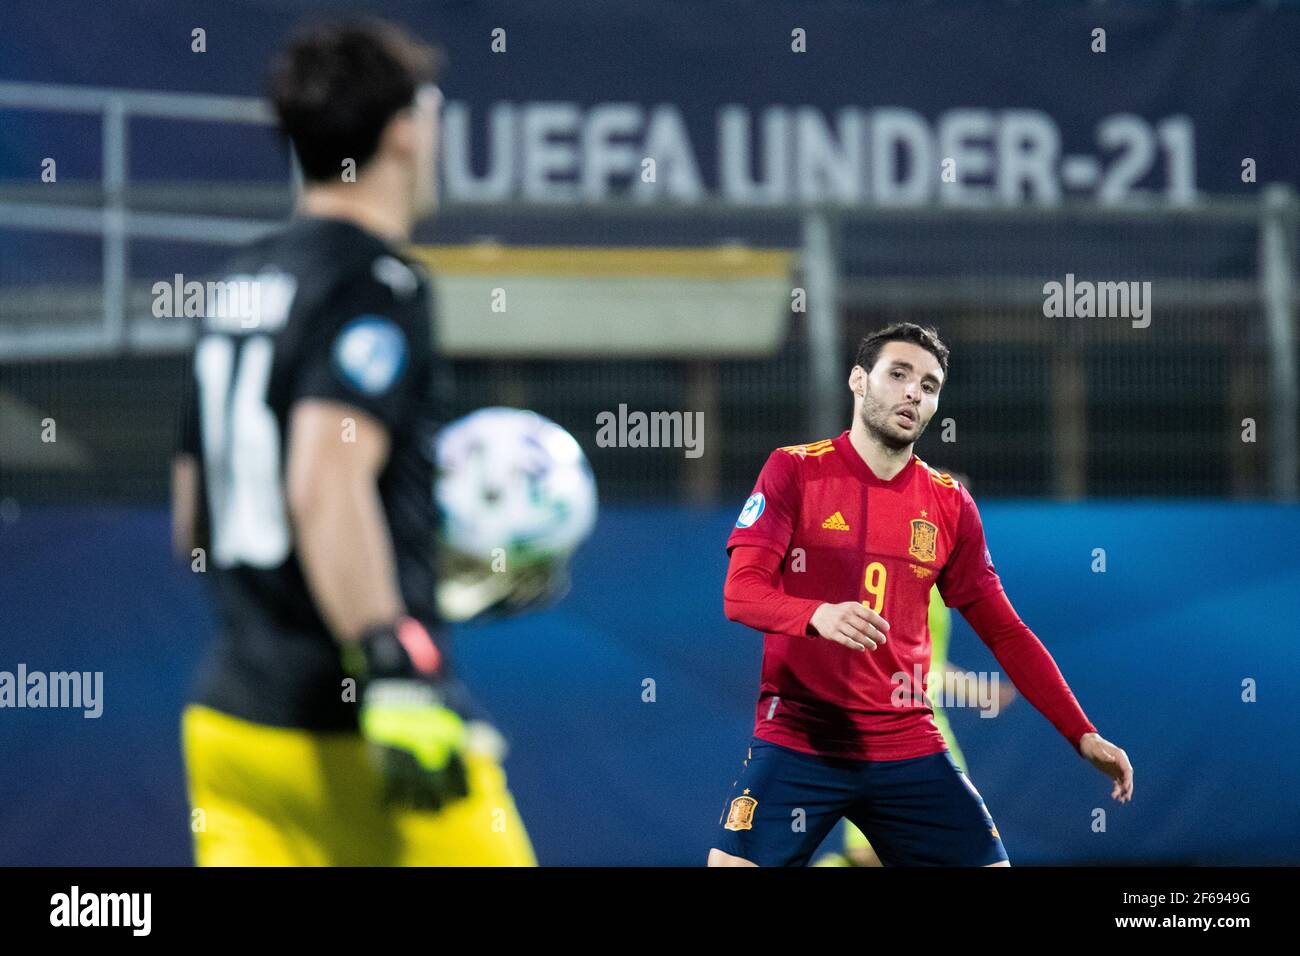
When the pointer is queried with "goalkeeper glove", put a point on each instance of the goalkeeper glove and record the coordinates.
(410, 716)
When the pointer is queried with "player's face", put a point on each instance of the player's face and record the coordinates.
(428, 119)
(900, 394)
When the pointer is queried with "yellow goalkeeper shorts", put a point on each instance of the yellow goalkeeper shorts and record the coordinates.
(272, 796)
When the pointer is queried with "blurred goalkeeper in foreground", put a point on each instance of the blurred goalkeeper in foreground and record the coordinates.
(327, 729)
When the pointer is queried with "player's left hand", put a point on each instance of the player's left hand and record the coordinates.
(1112, 761)
(412, 716)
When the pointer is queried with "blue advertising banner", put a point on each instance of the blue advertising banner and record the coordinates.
(628, 705)
(883, 104)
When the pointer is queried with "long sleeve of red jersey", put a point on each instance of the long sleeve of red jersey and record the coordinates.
(752, 597)
(1028, 664)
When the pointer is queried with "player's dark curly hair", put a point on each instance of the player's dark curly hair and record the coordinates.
(924, 336)
(336, 86)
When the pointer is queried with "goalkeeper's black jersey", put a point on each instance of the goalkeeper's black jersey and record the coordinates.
(322, 310)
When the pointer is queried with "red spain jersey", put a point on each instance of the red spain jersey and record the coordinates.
(845, 535)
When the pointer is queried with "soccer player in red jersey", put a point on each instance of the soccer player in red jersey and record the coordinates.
(833, 558)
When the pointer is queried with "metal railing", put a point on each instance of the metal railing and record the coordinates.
(817, 232)
(113, 221)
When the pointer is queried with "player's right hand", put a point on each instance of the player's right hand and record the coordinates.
(410, 718)
(852, 624)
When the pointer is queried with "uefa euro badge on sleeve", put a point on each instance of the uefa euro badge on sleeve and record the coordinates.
(741, 815)
(371, 354)
(753, 508)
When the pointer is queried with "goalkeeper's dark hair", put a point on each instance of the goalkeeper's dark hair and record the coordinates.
(337, 85)
(924, 336)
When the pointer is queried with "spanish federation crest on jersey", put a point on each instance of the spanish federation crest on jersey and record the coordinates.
(924, 537)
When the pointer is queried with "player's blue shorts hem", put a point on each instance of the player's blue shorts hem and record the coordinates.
(923, 811)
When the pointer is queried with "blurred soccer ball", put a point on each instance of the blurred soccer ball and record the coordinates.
(517, 498)
(514, 480)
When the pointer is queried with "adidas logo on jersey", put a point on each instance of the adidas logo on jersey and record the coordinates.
(836, 522)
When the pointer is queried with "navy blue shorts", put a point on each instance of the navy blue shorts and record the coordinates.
(918, 812)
